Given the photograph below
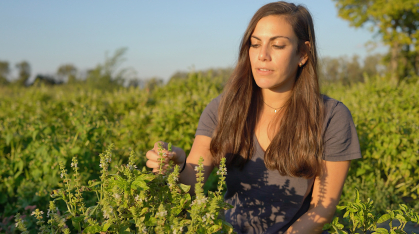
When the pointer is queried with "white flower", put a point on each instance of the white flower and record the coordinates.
(101, 165)
(196, 168)
(137, 198)
(161, 214)
(62, 175)
(16, 224)
(117, 196)
(33, 213)
(106, 215)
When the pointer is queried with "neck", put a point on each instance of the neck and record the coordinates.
(275, 99)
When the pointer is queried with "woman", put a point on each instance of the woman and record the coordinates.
(288, 147)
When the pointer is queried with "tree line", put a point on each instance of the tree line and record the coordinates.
(343, 69)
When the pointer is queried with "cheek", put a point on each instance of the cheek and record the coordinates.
(252, 58)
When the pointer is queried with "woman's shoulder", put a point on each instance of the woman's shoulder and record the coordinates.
(335, 107)
(340, 137)
(213, 105)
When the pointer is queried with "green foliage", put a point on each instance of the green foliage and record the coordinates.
(396, 22)
(108, 76)
(40, 127)
(43, 127)
(24, 70)
(362, 219)
(386, 118)
(133, 201)
(348, 71)
(4, 73)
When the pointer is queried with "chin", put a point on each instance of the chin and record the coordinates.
(264, 84)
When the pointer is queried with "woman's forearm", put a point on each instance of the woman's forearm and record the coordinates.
(313, 220)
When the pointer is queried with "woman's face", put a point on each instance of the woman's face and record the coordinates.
(273, 54)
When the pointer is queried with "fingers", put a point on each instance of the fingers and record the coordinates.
(155, 166)
(165, 153)
(164, 145)
(154, 157)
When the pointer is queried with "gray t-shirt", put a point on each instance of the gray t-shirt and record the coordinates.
(263, 200)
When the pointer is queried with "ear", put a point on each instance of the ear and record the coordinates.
(304, 53)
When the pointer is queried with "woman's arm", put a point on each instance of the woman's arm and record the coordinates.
(325, 197)
(200, 147)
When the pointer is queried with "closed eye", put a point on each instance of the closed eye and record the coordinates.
(279, 47)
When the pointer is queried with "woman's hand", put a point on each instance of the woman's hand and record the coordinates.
(177, 155)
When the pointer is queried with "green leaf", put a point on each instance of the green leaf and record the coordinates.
(185, 188)
(75, 150)
(357, 200)
(383, 218)
(342, 232)
(106, 227)
(92, 229)
(122, 183)
(3, 198)
(151, 222)
(124, 230)
(94, 184)
(228, 226)
(147, 177)
(139, 183)
(76, 222)
(34, 134)
(401, 218)
(381, 231)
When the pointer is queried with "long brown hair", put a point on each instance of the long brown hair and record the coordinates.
(297, 146)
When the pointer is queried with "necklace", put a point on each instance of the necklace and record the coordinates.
(275, 109)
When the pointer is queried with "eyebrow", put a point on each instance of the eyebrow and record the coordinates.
(272, 38)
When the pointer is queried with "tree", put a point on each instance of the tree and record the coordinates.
(152, 83)
(396, 22)
(24, 70)
(349, 70)
(373, 65)
(108, 76)
(4, 73)
(67, 71)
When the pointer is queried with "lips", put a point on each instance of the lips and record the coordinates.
(264, 71)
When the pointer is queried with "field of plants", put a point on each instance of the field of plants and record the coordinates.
(41, 127)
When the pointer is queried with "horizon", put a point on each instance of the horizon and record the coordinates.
(162, 37)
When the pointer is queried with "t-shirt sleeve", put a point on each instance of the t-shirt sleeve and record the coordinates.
(208, 120)
(341, 140)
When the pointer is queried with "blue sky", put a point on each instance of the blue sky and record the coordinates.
(162, 37)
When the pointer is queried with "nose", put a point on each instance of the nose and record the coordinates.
(264, 54)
